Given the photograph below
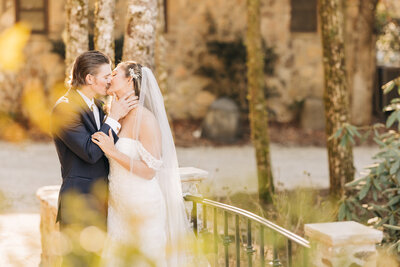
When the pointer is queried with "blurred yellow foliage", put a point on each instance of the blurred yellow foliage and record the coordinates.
(92, 239)
(35, 104)
(10, 130)
(59, 244)
(12, 43)
(56, 92)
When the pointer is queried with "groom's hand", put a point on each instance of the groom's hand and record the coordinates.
(121, 107)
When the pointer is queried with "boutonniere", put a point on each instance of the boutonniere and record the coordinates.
(105, 107)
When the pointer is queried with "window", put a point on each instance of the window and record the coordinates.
(303, 16)
(33, 12)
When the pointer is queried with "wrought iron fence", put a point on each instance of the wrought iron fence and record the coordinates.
(201, 221)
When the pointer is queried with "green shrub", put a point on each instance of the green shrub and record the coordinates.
(374, 199)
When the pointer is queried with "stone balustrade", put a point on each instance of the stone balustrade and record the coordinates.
(335, 244)
(48, 196)
(343, 244)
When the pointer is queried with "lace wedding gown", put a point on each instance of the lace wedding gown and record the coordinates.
(136, 212)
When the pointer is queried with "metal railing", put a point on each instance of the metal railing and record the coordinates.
(250, 219)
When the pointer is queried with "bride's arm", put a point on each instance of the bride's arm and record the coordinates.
(150, 137)
(138, 167)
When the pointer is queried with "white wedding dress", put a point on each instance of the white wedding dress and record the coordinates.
(136, 211)
(149, 215)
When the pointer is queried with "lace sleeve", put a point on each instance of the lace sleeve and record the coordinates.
(150, 161)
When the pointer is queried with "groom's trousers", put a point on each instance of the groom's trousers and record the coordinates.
(84, 221)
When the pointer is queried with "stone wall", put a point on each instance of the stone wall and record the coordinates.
(56, 18)
(298, 77)
(41, 65)
(275, 28)
(307, 80)
(187, 35)
(394, 7)
(307, 75)
(298, 55)
(189, 32)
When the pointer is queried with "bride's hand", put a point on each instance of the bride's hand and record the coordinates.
(105, 142)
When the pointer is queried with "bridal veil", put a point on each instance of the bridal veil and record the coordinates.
(159, 153)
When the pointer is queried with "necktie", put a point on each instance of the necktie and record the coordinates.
(96, 115)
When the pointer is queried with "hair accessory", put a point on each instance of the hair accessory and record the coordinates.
(133, 74)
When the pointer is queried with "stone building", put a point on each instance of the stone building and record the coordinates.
(290, 27)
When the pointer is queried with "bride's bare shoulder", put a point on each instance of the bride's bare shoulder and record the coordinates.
(146, 114)
(148, 118)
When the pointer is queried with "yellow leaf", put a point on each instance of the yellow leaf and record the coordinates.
(14, 133)
(35, 104)
(12, 43)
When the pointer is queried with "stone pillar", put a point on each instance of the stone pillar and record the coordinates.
(191, 178)
(343, 244)
(48, 197)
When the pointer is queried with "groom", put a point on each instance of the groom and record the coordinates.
(84, 167)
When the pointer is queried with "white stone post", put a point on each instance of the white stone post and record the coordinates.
(48, 196)
(343, 244)
(191, 179)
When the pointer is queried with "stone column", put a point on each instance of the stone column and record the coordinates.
(191, 178)
(48, 196)
(343, 244)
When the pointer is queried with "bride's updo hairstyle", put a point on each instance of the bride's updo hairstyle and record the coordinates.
(133, 70)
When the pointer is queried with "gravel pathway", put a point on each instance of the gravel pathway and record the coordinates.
(25, 168)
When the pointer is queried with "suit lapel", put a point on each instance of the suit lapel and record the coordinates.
(87, 114)
(92, 119)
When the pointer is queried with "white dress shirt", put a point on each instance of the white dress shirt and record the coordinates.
(115, 125)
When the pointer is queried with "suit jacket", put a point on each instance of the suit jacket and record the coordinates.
(83, 163)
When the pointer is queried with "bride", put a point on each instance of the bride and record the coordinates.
(146, 211)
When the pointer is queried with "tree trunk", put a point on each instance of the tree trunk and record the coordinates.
(258, 114)
(336, 96)
(76, 37)
(361, 59)
(140, 34)
(104, 27)
(159, 57)
(160, 49)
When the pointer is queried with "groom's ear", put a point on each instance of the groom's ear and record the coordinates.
(89, 79)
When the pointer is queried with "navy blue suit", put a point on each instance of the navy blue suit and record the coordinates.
(84, 167)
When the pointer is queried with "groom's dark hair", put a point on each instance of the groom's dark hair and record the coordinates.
(87, 63)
